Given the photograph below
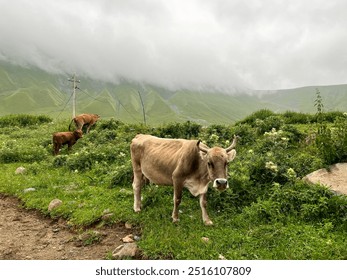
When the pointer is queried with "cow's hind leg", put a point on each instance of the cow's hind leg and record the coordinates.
(178, 188)
(56, 148)
(138, 182)
(203, 204)
(88, 128)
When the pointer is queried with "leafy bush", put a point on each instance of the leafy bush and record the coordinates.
(297, 118)
(258, 115)
(331, 141)
(185, 130)
(121, 175)
(300, 201)
(23, 120)
(11, 151)
(111, 124)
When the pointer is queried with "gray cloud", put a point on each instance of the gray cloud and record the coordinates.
(196, 44)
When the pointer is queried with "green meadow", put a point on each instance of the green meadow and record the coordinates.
(269, 212)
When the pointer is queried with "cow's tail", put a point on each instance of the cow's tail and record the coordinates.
(70, 124)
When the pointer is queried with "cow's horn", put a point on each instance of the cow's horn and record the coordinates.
(233, 144)
(201, 148)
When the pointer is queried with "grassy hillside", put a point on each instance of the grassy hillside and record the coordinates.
(31, 90)
(300, 99)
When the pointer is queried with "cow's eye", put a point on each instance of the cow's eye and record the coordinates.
(210, 164)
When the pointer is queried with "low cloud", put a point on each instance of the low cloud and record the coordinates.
(222, 45)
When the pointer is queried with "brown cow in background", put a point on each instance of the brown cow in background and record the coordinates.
(85, 119)
(65, 138)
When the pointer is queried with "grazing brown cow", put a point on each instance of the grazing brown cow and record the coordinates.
(179, 163)
(63, 138)
(85, 119)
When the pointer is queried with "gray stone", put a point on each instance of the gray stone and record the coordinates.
(20, 170)
(127, 250)
(335, 177)
(54, 204)
(29, 190)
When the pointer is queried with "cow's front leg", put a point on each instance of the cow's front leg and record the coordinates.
(203, 204)
(176, 200)
(137, 185)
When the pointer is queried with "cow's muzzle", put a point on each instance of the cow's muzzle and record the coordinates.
(221, 184)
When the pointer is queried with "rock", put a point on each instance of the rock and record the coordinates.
(205, 239)
(125, 251)
(29, 190)
(20, 170)
(128, 225)
(221, 257)
(335, 177)
(106, 217)
(137, 238)
(128, 239)
(54, 204)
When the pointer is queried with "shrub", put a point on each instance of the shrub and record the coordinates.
(331, 141)
(297, 118)
(258, 115)
(121, 175)
(111, 124)
(185, 130)
(23, 120)
(300, 201)
(12, 151)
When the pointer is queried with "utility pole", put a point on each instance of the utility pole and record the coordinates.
(74, 81)
(143, 108)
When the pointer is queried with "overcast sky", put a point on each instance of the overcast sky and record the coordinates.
(195, 44)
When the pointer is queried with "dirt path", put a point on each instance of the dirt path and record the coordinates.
(28, 235)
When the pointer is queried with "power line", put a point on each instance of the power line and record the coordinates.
(125, 109)
(143, 108)
(64, 106)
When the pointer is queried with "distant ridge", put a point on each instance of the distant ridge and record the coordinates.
(33, 91)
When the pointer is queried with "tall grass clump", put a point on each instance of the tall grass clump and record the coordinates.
(331, 140)
(23, 120)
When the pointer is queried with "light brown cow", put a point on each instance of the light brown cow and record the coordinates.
(85, 119)
(65, 138)
(179, 163)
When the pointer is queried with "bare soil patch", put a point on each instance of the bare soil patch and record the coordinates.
(29, 235)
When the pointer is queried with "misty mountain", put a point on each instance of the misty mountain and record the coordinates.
(30, 90)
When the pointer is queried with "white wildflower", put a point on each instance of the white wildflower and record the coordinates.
(291, 173)
(271, 166)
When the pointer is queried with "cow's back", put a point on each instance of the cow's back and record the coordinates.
(158, 158)
(62, 136)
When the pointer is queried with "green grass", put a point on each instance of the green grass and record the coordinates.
(266, 214)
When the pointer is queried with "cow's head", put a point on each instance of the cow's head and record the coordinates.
(217, 159)
(78, 133)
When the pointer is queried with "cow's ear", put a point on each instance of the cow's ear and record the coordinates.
(231, 155)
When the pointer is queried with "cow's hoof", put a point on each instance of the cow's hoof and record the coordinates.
(208, 223)
(175, 220)
(137, 210)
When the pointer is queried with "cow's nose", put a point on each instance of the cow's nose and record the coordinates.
(221, 181)
(221, 184)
